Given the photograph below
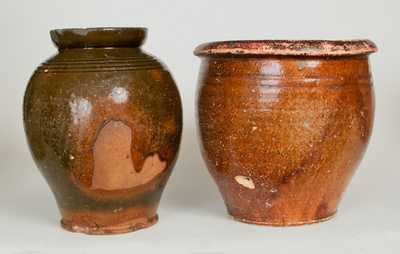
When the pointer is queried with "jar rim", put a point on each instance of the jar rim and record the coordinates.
(287, 48)
(97, 37)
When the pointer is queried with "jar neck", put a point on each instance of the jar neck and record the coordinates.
(106, 50)
(98, 38)
(100, 53)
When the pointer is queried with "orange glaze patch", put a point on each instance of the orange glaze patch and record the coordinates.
(113, 165)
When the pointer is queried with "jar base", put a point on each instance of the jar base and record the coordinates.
(124, 227)
(283, 224)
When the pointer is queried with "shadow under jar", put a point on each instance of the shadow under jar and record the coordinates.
(284, 124)
(103, 120)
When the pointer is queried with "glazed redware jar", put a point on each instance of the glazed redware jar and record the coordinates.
(284, 124)
(103, 120)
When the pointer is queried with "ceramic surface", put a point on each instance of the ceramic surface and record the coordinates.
(284, 124)
(103, 120)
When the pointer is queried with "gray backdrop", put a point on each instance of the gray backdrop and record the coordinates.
(192, 214)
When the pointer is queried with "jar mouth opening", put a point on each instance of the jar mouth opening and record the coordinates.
(98, 37)
(286, 48)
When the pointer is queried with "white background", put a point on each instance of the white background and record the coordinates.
(192, 214)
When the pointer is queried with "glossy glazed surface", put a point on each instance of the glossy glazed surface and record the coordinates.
(283, 135)
(104, 127)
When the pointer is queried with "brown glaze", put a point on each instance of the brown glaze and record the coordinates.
(103, 120)
(283, 133)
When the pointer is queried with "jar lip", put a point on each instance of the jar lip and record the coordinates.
(97, 37)
(287, 48)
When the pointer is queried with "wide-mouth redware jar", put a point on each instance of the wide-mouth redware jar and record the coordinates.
(103, 120)
(283, 124)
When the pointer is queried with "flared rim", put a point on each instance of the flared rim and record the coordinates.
(287, 47)
(98, 37)
(81, 30)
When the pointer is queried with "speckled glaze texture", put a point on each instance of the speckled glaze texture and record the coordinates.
(284, 124)
(103, 120)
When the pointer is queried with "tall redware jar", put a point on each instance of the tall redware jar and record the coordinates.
(103, 121)
(284, 124)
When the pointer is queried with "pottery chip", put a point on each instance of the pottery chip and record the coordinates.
(245, 181)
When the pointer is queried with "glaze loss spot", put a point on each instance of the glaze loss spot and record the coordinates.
(245, 181)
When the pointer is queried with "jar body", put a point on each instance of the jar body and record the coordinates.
(104, 127)
(283, 135)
